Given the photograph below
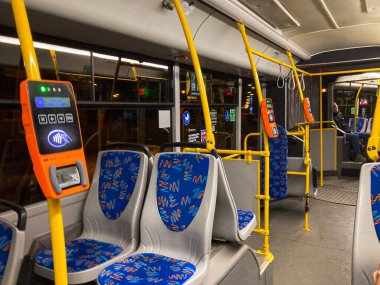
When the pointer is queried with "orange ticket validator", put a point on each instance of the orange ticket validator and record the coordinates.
(307, 110)
(53, 135)
(267, 115)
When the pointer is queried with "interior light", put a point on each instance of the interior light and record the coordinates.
(324, 90)
(116, 95)
(38, 45)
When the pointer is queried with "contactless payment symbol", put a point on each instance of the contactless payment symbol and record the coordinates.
(58, 138)
(186, 118)
(227, 116)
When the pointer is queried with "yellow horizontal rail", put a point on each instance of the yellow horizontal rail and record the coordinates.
(275, 60)
(297, 173)
(295, 133)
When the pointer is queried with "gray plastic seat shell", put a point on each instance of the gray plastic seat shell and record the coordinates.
(123, 232)
(16, 255)
(226, 226)
(193, 244)
(366, 246)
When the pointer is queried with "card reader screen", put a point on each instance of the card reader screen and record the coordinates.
(52, 102)
(55, 117)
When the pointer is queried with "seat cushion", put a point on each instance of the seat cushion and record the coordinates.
(244, 218)
(117, 180)
(147, 268)
(375, 198)
(81, 254)
(5, 245)
(181, 183)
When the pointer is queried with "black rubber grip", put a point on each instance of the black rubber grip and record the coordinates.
(21, 213)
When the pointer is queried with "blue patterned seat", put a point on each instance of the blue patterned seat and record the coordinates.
(12, 242)
(148, 268)
(81, 254)
(278, 165)
(366, 244)
(5, 245)
(176, 224)
(245, 218)
(375, 198)
(361, 124)
(110, 219)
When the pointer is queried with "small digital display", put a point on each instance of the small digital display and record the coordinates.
(52, 102)
(269, 104)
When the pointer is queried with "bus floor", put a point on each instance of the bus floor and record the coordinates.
(321, 256)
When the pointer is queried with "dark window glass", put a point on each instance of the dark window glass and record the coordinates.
(12, 71)
(224, 131)
(119, 81)
(220, 88)
(105, 125)
(250, 111)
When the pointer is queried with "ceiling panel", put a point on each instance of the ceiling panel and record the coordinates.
(349, 37)
(273, 12)
(324, 24)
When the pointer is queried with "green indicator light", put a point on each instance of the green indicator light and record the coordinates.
(43, 89)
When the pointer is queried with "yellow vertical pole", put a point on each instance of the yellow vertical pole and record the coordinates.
(373, 144)
(210, 140)
(55, 211)
(266, 249)
(55, 63)
(307, 164)
(321, 151)
(307, 143)
(357, 107)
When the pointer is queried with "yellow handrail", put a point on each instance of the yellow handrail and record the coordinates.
(266, 250)
(54, 205)
(55, 63)
(321, 150)
(210, 140)
(373, 144)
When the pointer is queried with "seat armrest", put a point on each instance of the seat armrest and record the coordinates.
(21, 213)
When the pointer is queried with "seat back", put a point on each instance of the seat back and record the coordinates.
(113, 207)
(366, 246)
(179, 207)
(11, 252)
(228, 224)
(278, 161)
(226, 217)
(361, 124)
(12, 242)
(369, 127)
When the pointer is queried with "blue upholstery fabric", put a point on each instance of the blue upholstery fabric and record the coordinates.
(5, 245)
(117, 180)
(278, 177)
(375, 197)
(147, 268)
(81, 254)
(181, 183)
(244, 218)
(359, 124)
